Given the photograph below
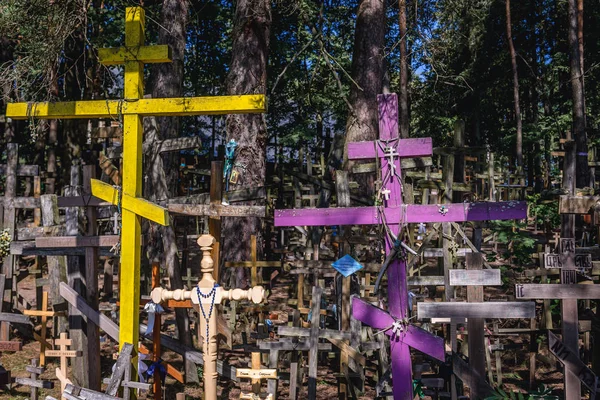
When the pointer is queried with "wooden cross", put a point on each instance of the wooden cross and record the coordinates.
(63, 353)
(396, 214)
(208, 319)
(573, 365)
(314, 333)
(253, 264)
(581, 262)
(569, 292)
(35, 370)
(43, 313)
(256, 374)
(132, 108)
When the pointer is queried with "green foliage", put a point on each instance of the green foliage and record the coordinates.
(542, 393)
(545, 212)
(520, 245)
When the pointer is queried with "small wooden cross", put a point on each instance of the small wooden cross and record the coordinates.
(254, 264)
(255, 374)
(35, 370)
(63, 353)
(43, 313)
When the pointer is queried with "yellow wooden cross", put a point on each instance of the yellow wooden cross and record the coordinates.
(132, 108)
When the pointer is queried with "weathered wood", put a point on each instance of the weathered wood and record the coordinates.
(15, 318)
(256, 373)
(488, 309)
(35, 383)
(22, 170)
(303, 332)
(291, 346)
(77, 241)
(471, 377)
(475, 326)
(123, 362)
(582, 261)
(33, 232)
(577, 204)
(11, 346)
(572, 363)
(313, 342)
(9, 222)
(350, 350)
(557, 291)
(487, 277)
(217, 210)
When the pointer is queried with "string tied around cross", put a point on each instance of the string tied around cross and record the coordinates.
(116, 249)
(152, 309)
(398, 327)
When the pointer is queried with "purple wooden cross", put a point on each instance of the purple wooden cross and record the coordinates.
(395, 215)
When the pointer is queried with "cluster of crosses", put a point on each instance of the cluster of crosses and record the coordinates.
(393, 213)
(389, 149)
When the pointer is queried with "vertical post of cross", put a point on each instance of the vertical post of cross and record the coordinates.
(397, 298)
(132, 180)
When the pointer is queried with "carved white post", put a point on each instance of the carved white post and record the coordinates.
(204, 296)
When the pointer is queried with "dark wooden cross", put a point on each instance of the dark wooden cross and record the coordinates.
(569, 292)
(394, 214)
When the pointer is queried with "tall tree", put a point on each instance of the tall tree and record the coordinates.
(403, 95)
(513, 61)
(578, 96)
(247, 75)
(367, 72)
(167, 81)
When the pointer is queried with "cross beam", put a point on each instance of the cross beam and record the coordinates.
(390, 149)
(132, 108)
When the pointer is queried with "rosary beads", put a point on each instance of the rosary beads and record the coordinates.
(208, 295)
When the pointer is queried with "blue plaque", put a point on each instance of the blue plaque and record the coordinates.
(347, 265)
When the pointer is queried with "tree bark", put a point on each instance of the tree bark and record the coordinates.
(162, 169)
(403, 95)
(513, 60)
(367, 72)
(578, 98)
(247, 75)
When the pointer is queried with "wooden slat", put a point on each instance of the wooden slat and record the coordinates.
(22, 170)
(303, 332)
(215, 210)
(15, 318)
(576, 204)
(557, 291)
(486, 277)
(572, 362)
(77, 241)
(488, 309)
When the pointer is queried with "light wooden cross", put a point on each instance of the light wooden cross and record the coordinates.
(132, 108)
(208, 319)
(256, 375)
(389, 149)
(43, 313)
(63, 353)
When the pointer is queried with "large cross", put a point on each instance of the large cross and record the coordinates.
(132, 108)
(389, 149)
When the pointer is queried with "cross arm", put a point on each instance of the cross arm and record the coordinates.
(145, 54)
(418, 147)
(408, 213)
(136, 205)
(178, 106)
(413, 336)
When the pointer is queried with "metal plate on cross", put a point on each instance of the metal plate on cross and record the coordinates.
(346, 265)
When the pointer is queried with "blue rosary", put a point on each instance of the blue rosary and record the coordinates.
(212, 293)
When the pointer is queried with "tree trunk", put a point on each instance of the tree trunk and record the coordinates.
(162, 170)
(513, 60)
(403, 95)
(247, 75)
(367, 72)
(578, 98)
